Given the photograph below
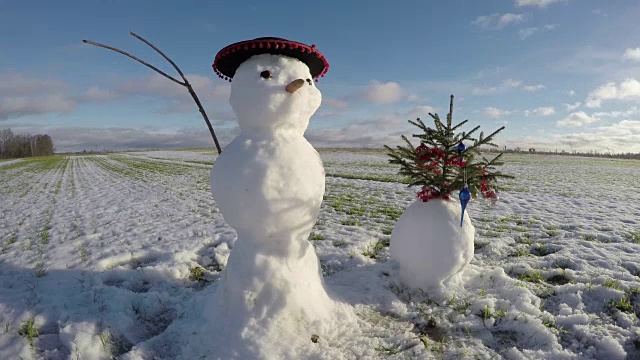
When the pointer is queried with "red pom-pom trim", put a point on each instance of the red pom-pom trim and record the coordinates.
(252, 44)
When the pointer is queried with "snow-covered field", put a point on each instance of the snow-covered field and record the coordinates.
(112, 255)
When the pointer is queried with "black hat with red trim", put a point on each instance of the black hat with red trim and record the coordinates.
(229, 58)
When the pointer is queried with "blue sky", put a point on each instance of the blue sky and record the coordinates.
(560, 74)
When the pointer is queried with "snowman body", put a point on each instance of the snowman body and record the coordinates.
(431, 246)
(268, 184)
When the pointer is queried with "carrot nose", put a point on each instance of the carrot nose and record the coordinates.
(294, 86)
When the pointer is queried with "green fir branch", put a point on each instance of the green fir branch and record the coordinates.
(449, 177)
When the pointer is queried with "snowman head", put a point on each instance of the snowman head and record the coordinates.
(274, 93)
(273, 88)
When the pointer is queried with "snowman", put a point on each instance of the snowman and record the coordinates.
(268, 184)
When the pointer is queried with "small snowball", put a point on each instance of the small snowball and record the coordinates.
(430, 244)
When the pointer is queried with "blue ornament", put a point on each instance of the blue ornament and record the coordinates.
(460, 148)
(465, 196)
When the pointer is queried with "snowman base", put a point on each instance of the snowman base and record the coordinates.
(271, 307)
(430, 245)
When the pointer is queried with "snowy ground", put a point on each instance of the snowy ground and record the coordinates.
(108, 256)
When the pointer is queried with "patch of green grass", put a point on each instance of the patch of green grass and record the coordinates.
(560, 279)
(613, 284)
(370, 253)
(460, 306)
(551, 323)
(313, 236)
(524, 240)
(391, 212)
(522, 252)
(590, 237)
(623, 305)
(385, 350)
(196, 273)
(486, 314)
(542, 250)
(532, 277)
(339, 243)
(634, 236)
(28, 330)
(356, 210)
(477, 245)
(552, 233)
(387, 231)
(83, 251)
(492, 234)
(374, 251)
(633, 291)
(351, 222)
(204, 162)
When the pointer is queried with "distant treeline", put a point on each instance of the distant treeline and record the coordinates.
(18, 146)
(590, 153)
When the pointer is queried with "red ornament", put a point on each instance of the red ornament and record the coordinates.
(484, 185)
(427, 194)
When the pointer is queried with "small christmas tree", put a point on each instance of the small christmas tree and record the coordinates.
(445, 161)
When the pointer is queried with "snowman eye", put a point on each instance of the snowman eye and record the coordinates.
(266, 74)
(309, 82)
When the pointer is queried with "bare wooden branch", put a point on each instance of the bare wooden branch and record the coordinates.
(189, 88)
(161, 53)
(134, 58)
(184, 83)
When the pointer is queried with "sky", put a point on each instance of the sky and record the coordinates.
(558, 74)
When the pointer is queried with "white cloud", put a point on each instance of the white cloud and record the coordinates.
(383, 93)
(484, 91)
(97, 94)
(532, 88)
(571, 92)
(541, 111)
(336, 104)
(526, 32)
(571, 107)
(618, 114)
(536, 3)
(179, 99)
(16, 84)
(23, 95)
(512, 83)
(386, 129)
(416, 98)
(496, 113)
(576, 119)
(506, 85)
(621, 137)
(632, 54)
(498, 21)
(421, 111)
(18, 106)
(628, 89)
